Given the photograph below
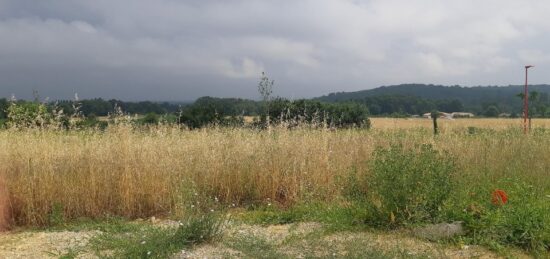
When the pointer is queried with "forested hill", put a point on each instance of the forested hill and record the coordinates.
(473, 98)
(465, 94)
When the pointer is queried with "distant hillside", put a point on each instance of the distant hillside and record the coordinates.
(474, 99)
(464, 94)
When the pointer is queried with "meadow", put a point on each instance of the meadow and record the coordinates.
(283, 175)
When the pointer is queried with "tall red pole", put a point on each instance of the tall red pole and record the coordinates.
(526, 102)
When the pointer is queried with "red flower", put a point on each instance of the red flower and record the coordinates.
(499, 197)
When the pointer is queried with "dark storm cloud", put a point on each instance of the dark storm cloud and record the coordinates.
(180, 50)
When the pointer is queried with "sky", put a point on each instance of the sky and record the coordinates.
(179, 50)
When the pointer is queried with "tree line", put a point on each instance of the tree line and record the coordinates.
(334, 110)
(205, 111)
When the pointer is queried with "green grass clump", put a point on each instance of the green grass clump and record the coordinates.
(336, 216)
(254, 247)
(408, 185)
(148, 241)
(524, 221)
(317, 245)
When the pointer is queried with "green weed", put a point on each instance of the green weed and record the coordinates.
(55, 217)
(408, 185)
(524, 221)
(147, 241)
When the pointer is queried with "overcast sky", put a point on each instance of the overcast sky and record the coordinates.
(181, 50)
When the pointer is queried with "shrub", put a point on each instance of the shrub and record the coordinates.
(408, 185)
(28, 115)
(150, 118)
(199, 116)
(338, 115)
(522, 222)
(92, 122)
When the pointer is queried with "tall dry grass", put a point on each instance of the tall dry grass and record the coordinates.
(449, 125)
(143, 172)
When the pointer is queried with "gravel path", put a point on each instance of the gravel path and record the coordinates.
(292, 240)
(44, 244)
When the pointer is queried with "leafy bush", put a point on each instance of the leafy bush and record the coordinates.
(4, 104)
(29, 115)
(150, 118)
(92, 122)
(408, 185)
(339, 115)
(522, 222)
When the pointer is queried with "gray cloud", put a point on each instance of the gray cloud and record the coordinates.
(180, 50)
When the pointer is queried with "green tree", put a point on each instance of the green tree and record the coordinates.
(491, 111)
(3, 108)
(339, 115)
(150, 118)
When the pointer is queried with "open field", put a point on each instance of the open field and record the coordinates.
(54, 177)
(456, 124)
(141, 173)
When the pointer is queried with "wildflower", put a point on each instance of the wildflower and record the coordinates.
(148, 252)
(499, 197)
(211, 210)
(192, 206)
(143, 242)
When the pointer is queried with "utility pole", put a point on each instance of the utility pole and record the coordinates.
(526, 101)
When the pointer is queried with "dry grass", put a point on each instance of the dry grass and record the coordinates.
(446, 124)
(145, 172)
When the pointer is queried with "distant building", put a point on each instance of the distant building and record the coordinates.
(462, 115)
(453, 115)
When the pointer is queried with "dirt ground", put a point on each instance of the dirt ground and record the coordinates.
(299, 240)
(43, 244)
(294, 241)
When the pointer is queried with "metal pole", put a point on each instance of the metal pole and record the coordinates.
(526, 101)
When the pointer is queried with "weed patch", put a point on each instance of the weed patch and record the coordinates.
(524, 221)
(408, 185)
(148, 241)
